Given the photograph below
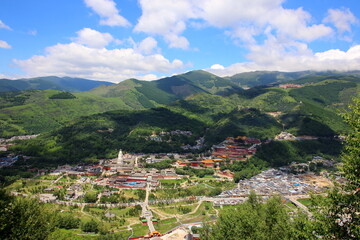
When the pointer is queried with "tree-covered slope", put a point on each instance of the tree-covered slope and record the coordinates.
(263, 112)
(51, 82)
(135, 93)
(102, 135)
(36, 111)
(192, 82)
(169, 89)
(258, 78)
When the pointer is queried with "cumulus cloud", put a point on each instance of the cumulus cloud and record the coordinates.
(300, 60)
(93, 38)
(107, 10)
(3, 25)
(166, 18)
(74, 59)
(243, 20)
(148, 45)
(342, 19)
(217, 67)
(4, 44)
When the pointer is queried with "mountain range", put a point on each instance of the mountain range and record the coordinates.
(56, 83)
(100, 121)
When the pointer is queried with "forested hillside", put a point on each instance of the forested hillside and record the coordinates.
(36, 111)
(55, 83)
(262, 112)
(202, 103)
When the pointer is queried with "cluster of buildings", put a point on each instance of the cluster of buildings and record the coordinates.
(274, 181)
(79, 170)
(6, 143)
(140, 178)
(121, 172)
(236, 149)
(14, 138)
(202, 162)
(312, 165)
(158, 138)
(128, 175)
(229, 151)
(222, 202)
(199, 144)
(290, 85)
(285, 136)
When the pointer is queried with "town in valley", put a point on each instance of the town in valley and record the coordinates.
(169, 195)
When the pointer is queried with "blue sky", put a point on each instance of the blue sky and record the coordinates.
(113, 40)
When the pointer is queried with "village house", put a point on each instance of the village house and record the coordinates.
(47, 197)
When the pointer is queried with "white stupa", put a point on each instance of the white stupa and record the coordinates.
(136, 163)
(120, 159)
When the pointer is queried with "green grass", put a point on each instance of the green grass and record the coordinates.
(176, 209)
(201, 215)
(166, 225)
(305, 201)
(63, 234)
(173, 181)
(140, 230)
(290, 205)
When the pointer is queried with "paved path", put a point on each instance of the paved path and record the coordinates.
(294, 200)
(55, 181)
(145, 210)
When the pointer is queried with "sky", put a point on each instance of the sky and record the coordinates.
(113, 40)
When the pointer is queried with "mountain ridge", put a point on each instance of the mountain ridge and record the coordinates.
(259, 112)
(50, 82)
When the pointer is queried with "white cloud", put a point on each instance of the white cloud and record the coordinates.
(280, 59)
(3, 25)
(114, 65)
(249, 18)
(107, 10)
(342, 19)
(149, 77)
(93, 38)
(217, 67)
(4, 44)
(294, 24)
(242, 20)
(148, 45)
(166, 18)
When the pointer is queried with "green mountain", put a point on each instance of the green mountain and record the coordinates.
(167, 90)
(136, 94)
(189, 83)
(51, 82)
(258, 78)
(37, 111)
(32, 111)
(261, 112)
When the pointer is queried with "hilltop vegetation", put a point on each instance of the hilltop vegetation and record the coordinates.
(36, 111)
(55, 83)
(259, 78)
(206, 105)
(91, 137)
(146, 94)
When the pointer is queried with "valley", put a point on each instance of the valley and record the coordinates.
(192, 146)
